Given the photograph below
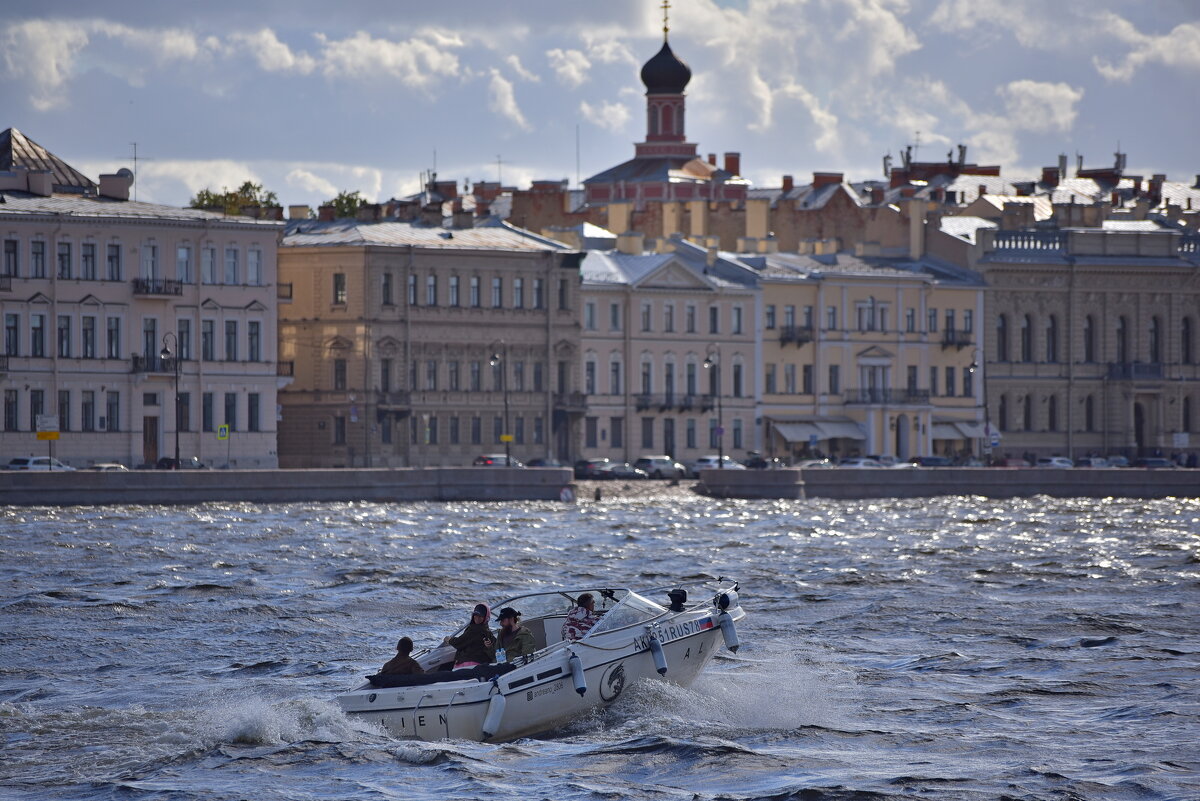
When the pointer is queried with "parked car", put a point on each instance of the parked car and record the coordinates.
(712, 462)
(618, 470)
(497, 460)
(1060, 462)
(860, 461)
(108, 467)
(1092, 461)
(586, 468)
(810, 464)
(37, 463)
(932, 461)
(1155, 463)
(168, 463)
(1117, 461)
(1011, 461)
(544, 463)
(757, 461)
(887, 460)
(660, 467)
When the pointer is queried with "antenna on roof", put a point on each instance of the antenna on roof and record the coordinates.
(135, 167)
(499, 172)
(917, 144)
(576, 154)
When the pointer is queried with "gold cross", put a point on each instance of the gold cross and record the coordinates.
(666, 6)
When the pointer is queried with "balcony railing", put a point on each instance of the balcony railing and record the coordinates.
(1051, 241)
(1135, 371)
(882, 395)
(956, 339)
(1190, 243)
(285, 369)
(398, 399)
(283, 291)
(800, 334)
(152, 364)
(157, 286)
(570, 401)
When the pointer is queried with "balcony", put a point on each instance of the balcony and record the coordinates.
(157, 286)
(571, 402)
(283, 292)
(877, 396)
(152, 364)
(799, 334)
(285, 369)
(1188, 244)
(1135, 371)
(5, 283)
(1044, 241)
(956, 339)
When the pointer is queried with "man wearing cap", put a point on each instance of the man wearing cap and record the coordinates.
(476, 645)
(515, 639)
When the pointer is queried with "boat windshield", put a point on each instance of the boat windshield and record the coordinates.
(544, 604)
(632, 610)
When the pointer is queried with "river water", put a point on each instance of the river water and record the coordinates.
(953, 648)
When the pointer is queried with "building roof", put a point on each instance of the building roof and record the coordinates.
(661, 169)
(965, 227)
(93, 206)
(665, 73)
(491, 235)
(18, 150)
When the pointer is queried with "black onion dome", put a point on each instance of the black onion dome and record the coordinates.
(665, 74)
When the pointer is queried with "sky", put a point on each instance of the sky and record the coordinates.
(313, 98)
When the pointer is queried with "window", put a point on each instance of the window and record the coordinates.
(87, 261)
(231, 340)
(807, 378)
(1187, 345)
(1051, 339)
(252, 411)
(112, 345)
(1052, 413)
(1089, 414)
(339, 374)
(519, 430)
(497, 293)
(339, 429)
(12, 335)
(737, 433)
(968, 321)
(1002, 414)
(539, 377)
(112, 411)
(452, 376)
(37, 335)
(37, 260)
(950, 326)
(689, 313)
(1122, 339)
(1002, 338)
(183, 411)
(64, 336)
(183, 264)
(589, 377)
(690, 378)
(453, 299)
(231, 410)
(11, 410)
(713, 435)
(11, 259)
(737, 381)
(254, 267)
(476, 430)
(831, 321)
(910, 320)
(207, 419)
(968, 383)
(387, 289)
(113, 267)
(690, 433)
(911, 378)
(933, 381)
(590, 429)
(614, 377)
(1027, 422)
(208, 344)
(476, 377)
(64, 261)
(518, 287)
(789, 379)
(37, 406)
(951, 382)
(769, 318)
(208, 265)
(231, 265)
(835, 380)
(1155, 340)
(931, 318)
(474, 290)
(669, 318)
(563, 294)
(789, 316)
(150, 339)
(1186, 422)
(431, 374)
(614, 316)
(64, 410)
(498, 429)
(431, 290)
(498, 376)
(385, 375)
(714, 320)
(412, 290)
(150, 261)
(647, 378)
(648, 433)
(539, 430)
(339, 289)
(737, 319)
(87, 410)
(769, 380)
(431, 430)
(646, 315)
(253, 341)
(453, 432)
(1026, 338)
(589, 316)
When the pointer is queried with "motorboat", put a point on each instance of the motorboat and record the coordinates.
(635, 638)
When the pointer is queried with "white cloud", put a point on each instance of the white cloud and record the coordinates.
(44, 54)
(877, 33)
(1179, 49)
(610, 116)
(571, 66)
(1040, 107)
(503, 101)
(309, 182)
(609, 51)
(514, 63)
(416, 62)
(271, 54)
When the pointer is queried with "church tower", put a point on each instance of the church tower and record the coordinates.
(665, 77)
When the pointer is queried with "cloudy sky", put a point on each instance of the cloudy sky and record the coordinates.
(310, 98)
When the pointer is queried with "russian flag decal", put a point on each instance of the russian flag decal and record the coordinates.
(704, 623)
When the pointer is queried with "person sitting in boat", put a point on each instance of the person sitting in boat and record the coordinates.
(402, 664)
(581, 619)
(515, 639)
(476, 645)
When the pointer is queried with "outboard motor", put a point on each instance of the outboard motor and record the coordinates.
(576, 666)
(660, 659)
(678, 599)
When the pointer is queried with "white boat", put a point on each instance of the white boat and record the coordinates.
(635, 638)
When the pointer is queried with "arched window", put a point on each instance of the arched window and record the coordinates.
(652, 119)
(1155, 340)
(1052, 339)
(668, 120)
(1089, 339)
(1027, 414)
(1186, 346)
(1052, 414)
(1002, 414)
(1089, 413)
(1122, 340)
(1002, 338)
(1026, 338)
(1187, 415)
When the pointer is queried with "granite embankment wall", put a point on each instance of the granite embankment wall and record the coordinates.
(283, 486)
(850, 483)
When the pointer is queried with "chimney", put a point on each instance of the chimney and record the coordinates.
(788, 184)
(462, 219)
(431, 214)
(698, 214)
(299, 212)
(1050, 176)
(733, 163)
(877, 196)
(1116, 199)
(326, 213)
(630, 243)
(115, 185)
(447, 189)
(41, 182)
(620, 216)
(1062, 166)
(712, 159)
(483, 208)
(916, 228)
(672, 218)
(826, 178)
(1156, 185)
(982, 190)
(757, 209)
(1197, 184)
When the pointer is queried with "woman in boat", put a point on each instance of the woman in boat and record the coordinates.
(402, 664)
(515, 639)
(580, 619)
(476, 645)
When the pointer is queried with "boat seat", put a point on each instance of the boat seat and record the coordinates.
(546, 630)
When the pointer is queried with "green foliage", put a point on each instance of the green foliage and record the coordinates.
(346, 204)
(234, 200)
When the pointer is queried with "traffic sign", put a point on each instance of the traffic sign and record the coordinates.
(506, 437)
(47, 422)
(223, 431)
(51, 435)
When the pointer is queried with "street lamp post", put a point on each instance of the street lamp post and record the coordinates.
(712, 362)
(502, 361)
(973, 369)
(163, 355)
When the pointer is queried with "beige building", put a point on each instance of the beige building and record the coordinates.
(94, 287)
(669, 352)
(1092, 338)
(415, 343)
(869, 356)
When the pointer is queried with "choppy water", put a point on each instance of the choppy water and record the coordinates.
(956, 648)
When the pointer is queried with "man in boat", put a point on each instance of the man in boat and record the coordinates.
(476, 645)
(402, 664)
(516, 640)
(580, 619)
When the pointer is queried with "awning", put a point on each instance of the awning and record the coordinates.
(798, 432)
(841, 430)
(946, 431)
(971, 430)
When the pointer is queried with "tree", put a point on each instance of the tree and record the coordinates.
(346, 204)
(234, 200)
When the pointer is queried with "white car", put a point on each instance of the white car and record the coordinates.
(860, 462)
(1055, 462)
(37, 463)
(712, 462)
(660, 467)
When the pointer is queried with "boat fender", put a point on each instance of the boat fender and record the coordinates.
(495, 711)
(576, 666)
(660, 658)
(729, 632)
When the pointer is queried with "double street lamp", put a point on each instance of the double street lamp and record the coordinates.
(501, 361)
(973, 369)
(712, 361)
(163, 356)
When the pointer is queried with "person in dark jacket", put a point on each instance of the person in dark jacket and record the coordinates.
(402, 664)
(476, 645)
(515, 639)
